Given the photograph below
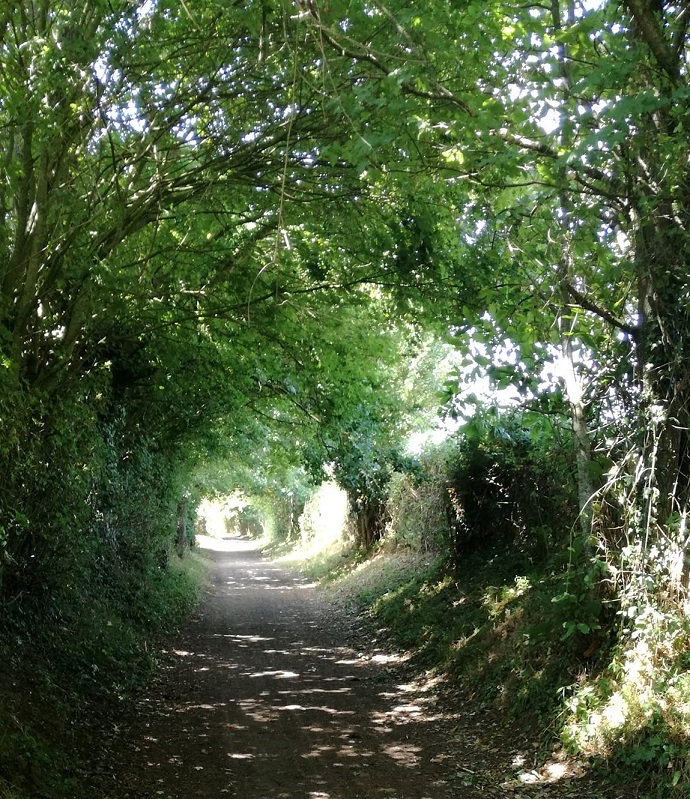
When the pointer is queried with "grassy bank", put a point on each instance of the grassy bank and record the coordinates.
(519, 638)
(492, 623)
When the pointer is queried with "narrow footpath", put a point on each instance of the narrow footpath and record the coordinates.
(272, 692)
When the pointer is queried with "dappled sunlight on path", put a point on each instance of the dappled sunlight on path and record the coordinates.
(273, 692)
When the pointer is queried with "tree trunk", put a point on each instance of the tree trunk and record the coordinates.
(583, 449)
(572, 380)
(367, 517)
(181, 538)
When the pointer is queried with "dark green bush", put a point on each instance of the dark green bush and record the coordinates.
(510, 482)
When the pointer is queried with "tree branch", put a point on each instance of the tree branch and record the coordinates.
(652, 33)
(438, 92)
(598, 310)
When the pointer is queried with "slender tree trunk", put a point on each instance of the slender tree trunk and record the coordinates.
(572, 379)
(181, 538)
(582, 442)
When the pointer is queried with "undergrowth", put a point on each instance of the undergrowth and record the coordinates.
(482, 623)
(66, 663)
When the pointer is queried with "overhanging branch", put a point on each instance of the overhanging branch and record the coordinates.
(599, 310)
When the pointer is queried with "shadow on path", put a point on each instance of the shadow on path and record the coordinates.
(263, 695)
(271, 692)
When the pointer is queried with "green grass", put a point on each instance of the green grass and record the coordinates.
(478, 627)
(532, 640)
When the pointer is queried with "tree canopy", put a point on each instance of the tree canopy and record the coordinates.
(241, 233)
(224, 228)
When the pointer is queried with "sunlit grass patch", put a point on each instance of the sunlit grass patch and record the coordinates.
(385, 575)
(192, 571)
(636, 713)
(323, 560)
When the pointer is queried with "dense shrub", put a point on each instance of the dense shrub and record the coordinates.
(510, 482)
(417, 510)
(88, 515)
(97, 570)
(501, 480)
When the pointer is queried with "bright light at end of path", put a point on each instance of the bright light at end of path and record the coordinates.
(219, 517)
(225, 544)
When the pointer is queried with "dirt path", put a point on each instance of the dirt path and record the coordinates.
(272, 692)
